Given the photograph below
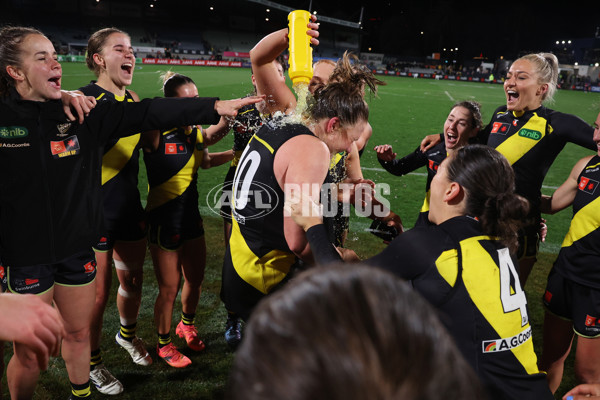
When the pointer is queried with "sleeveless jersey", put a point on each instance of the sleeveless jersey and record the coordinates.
(257, 247)
(472, 279)
(247, 123)
(120, 168)
(172, 175)
(338, 224)
(531, 141)
(579, 257)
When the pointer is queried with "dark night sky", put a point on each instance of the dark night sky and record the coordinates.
(394, 27)
(494, 29)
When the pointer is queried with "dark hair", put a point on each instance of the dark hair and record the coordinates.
(348, 332)
(173, 81)
(489, 181)
(475, 110)
(95, 45)
(11, 38)
(343, 96)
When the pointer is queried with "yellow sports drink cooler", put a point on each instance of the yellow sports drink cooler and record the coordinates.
(300, 51)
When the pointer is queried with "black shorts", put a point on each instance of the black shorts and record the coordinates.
(3, 287)
(226, 198)
(578, 303)
(239, 296)
(170, 237)
(529, 242)
(127, 231)
(77, 270)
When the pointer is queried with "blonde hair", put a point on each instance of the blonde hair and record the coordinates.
(546, 67)
(171, 81)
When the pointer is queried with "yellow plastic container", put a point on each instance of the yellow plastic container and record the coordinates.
(300, 60)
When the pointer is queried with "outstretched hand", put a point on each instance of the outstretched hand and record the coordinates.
(78, 102)
(27, 320)
(385, 152)
(229, 108)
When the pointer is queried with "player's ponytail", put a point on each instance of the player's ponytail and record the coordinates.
(489, 184)
(546, 66)
(172, 81)
(343, 96)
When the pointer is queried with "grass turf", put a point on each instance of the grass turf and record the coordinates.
(405, 111)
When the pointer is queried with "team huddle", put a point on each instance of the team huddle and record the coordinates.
(70, 208)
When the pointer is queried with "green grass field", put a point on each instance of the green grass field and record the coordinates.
(405, 111)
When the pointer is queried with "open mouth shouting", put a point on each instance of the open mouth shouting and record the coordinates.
(511, 96)
(127, 68)
(55, 82)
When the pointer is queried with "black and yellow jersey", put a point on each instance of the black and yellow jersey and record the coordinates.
(338, 224)
(50, 191)
(120, 168)
(257, 253)
(472, 279)
(579, 257)
(531, 141)
(431, 159)
(172, 175)
(247, 122)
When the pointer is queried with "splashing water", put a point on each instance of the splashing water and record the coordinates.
(302, 93)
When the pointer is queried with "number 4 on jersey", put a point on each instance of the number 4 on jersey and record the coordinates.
(512, 298)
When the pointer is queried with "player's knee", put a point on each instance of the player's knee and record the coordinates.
(130, 291)
(78, 335)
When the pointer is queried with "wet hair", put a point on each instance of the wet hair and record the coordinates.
(173, 81)
(348, 332)
(343, 96)
(546, 67)
(11, 38)
(96, 44)
(324, 61)
(489, 182)
(475, 110)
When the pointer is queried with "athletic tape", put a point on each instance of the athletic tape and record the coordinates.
(121, 265)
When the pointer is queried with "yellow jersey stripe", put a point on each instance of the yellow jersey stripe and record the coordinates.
(178, 183)
(425, 206)
(516, 146)
(481, 277)
(583, 223)
(262, 273)
(267, 145)
(115, 159)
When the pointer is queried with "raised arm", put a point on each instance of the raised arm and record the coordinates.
(408, 163)
(269, 80)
